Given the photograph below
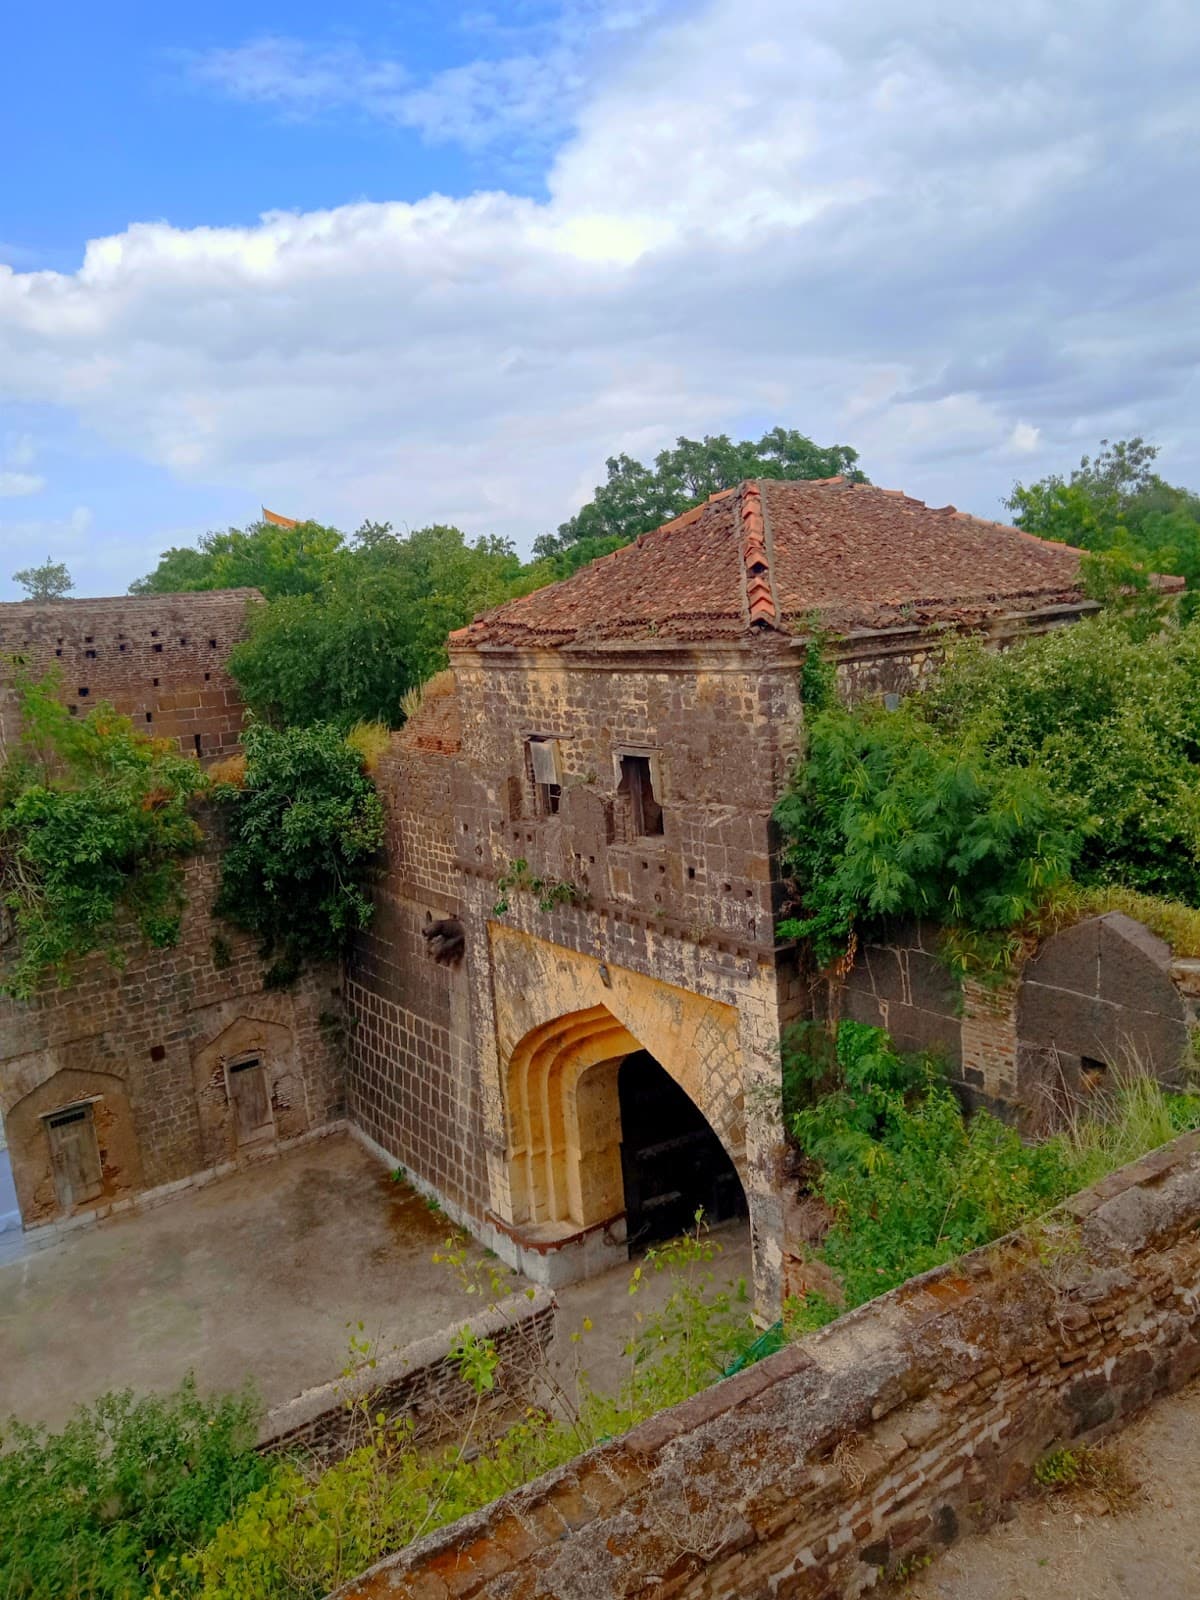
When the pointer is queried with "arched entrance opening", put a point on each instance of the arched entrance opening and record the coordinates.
(601, 1132)
(672, 1163)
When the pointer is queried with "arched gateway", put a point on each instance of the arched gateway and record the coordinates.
(599, 1131)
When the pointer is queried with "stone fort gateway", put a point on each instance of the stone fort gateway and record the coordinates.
(565, 1018)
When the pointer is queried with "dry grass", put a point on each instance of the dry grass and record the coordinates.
(1096, 1475)
(370, 741)
(1171, 920)
(442, 683)
(231, 769)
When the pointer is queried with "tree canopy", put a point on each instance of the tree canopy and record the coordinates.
(266, 556)
(636, 497)
(376, 628)
(1070, 757)
(50, 581)
(1128, 518)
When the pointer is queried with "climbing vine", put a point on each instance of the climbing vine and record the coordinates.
(303, 825)
(94, 827)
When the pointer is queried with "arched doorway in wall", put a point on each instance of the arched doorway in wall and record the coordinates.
(672, 1163)
(599, 1130)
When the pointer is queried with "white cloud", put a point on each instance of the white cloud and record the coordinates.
(897, 234)
(14, 484)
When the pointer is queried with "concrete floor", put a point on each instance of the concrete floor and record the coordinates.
(262, 1275)
(605, 1301)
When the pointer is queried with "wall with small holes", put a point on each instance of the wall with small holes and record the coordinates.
(159, 659)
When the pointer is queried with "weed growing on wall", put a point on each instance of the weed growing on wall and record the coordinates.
(94, 827)
(912, 1183)
(303, 826)
(1072, 757)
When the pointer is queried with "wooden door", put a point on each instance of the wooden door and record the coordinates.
(74, 1156)
(249, 1099)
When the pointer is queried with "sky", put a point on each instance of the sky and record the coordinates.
(436, 262)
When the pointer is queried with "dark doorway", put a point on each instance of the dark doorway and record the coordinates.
(672, 1162)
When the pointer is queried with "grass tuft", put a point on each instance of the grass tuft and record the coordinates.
(370, 741)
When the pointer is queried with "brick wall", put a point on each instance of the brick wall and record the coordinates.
(148, 1043)
(422, 1383)
(884, 1437)
(160, 659)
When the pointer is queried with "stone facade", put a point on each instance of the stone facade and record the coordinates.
(1104, 995)
(161, 659)
(870, 1445)
(142, 1067)
(585, 939)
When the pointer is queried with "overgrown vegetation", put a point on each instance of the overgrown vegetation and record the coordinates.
(166, 1498)
(94, 827)
(1098, 1474)
(88, 1512)
(912, 1183)
(303, 824)
(1072, 758)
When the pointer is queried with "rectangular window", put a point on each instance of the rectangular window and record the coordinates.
(545, 772)
(637, 786)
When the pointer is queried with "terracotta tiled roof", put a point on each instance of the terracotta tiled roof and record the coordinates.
(774, 555)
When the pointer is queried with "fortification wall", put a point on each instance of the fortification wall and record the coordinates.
(148, 1048)
(160, 659)
(879, 1440)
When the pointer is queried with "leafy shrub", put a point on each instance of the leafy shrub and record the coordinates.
(301, 1534)
(86, 1512)
(94, 825)
(912, 1183)
(302, 830)
(1073, 756)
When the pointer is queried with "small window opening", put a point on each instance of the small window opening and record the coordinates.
(58, 652)
(196, 742)
(207, 676)
(183, 639)
(149, 716)
(212, 644)
(154, 633)
(158, 1052)
(122, 647)
(83, 694)
(88, 638)
(547, 785)
(154, 681)
(90, 654)
(638, 783)
(158, 649)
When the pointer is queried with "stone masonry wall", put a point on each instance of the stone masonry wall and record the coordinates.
(1105, 994)
(422, 1383)
(160, 659)
(148, 1044)
(883, 1438)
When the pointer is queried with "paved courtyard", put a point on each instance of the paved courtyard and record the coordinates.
(257, 1275)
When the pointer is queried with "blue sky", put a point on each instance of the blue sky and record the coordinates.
(436, 262)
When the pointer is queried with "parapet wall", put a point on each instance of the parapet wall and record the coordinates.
(422, 1383)
(880, 1439)
(159, 658)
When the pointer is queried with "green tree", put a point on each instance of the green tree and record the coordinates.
(302, 829)
(1130, 521)
(636, 498)
(377, 628)
(1073, 755)
(50, 581)
(276, 560)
